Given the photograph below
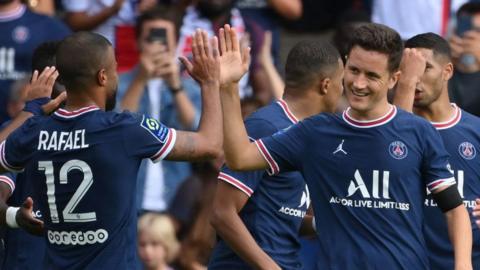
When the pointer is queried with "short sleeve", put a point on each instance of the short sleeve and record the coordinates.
(283, 150)
(145, 137)
(248, 181)
(15, 151)
(9, 179)
(436, 168)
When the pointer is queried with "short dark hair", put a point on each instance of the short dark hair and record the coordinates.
(79, 58)
(379, 38)
(430, 41)
(44, 55)
(308, 60)
(470, 8)
(158, 13)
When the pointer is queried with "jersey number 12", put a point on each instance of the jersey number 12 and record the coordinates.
(68, 214)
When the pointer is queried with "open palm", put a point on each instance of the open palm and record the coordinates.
(234, 61)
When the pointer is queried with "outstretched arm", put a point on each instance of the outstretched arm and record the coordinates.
(240, 153)
(206, 143)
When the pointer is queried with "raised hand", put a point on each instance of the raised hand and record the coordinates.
(41, 86)
(206, 59)
(413, 64)
(27, 221)
(234, 60)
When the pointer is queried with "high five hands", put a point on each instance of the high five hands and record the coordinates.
(223, 55)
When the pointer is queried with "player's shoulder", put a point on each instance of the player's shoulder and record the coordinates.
(42, 20)
(32, 124)
(323, 118)
(409, 120)
(469, 120)
(270, 116)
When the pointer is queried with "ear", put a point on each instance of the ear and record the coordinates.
(393, 79)
(447, 71)
(102, 77)
(323, 85)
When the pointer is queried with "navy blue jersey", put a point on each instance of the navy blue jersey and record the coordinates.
(277, 204)
(367, 181)
(22, 31)
(22, 250)
(461, 136)
(83, 167)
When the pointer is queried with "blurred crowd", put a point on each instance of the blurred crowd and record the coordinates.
(174, 198)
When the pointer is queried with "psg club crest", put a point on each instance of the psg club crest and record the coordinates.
(20, 34)
(398, 150)
(467, 150)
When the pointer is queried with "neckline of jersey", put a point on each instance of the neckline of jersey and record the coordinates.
(72, 114)
(370, 123)
(287, 111)
(13, 14)
(457, 115)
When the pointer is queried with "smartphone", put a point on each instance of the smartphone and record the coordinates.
(157, 35)
(464, 24)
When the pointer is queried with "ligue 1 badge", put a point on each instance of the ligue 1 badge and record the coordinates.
(398, 150)
(467, 150)
(20, 34)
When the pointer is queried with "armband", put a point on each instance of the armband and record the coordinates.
(448, 198)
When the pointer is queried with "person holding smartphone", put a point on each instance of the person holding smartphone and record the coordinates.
(155, 87)
(465, 47)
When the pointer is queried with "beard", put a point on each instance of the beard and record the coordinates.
(213, 10)
(111, 101)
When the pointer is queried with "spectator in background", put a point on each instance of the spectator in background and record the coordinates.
(190, 211)
(21, 32)
(113, 19)
(261, 16)
(155, 87)
(157, 244)
(464, 86)
(409, 17)
(211, 15)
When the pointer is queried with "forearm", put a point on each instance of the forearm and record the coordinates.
(210, 126)
(14, 124)
(237, 147)
(405, 94)
(186, 110)
(289, 9)
(81, 21)
(233, 231)
(460, 232)
(131, 99)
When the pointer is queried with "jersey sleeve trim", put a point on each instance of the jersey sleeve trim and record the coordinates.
(167, 147)
(236, 183)
(441, 183)
(4, 162)
(274, 169)
(5, 179)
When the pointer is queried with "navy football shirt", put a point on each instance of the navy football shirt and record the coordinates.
(83, 165)
(277, 204)
(461, 136)
(22, 250)
(21, 32)
(367, 181)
